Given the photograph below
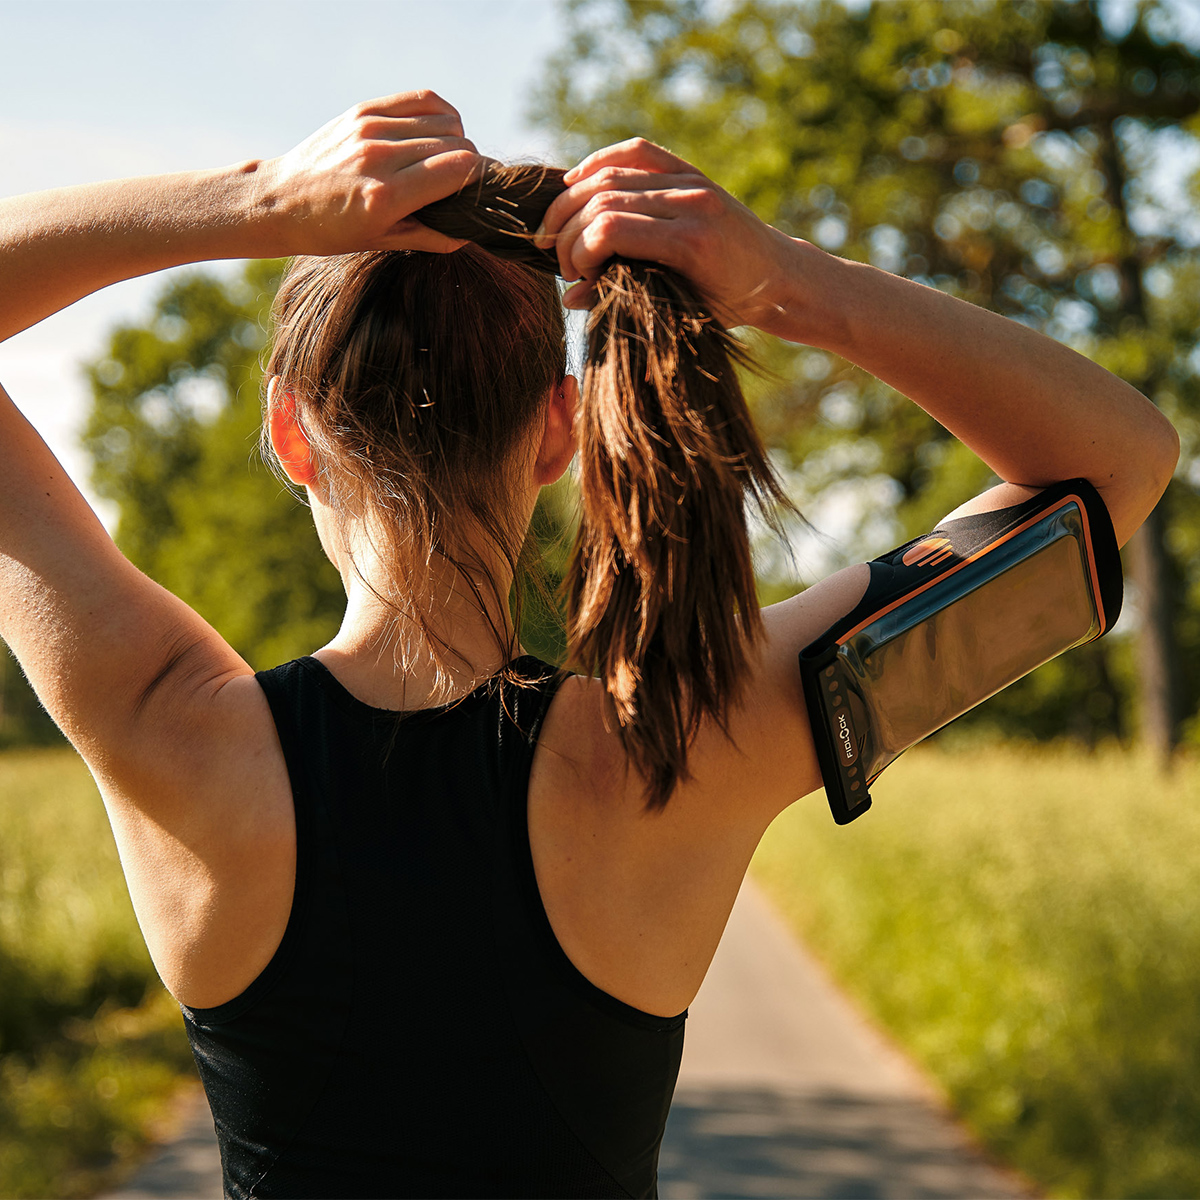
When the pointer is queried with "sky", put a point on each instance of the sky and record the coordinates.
(104, 89)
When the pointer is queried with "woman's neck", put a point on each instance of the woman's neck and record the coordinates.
(432, 648)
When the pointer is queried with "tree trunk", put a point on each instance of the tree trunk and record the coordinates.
(1157, 669)
(1156, 660)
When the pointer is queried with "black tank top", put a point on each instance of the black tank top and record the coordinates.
(419, 1031)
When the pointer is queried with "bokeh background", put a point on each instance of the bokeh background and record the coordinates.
(1020, 908)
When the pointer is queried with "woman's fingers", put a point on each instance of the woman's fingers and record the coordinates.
(421, 102)
(409, 234)
(637, 200)
(611, 179)
(628, 167)
(346, 186)
(636, 191)
(384, 156)
(397, 129)
(631, 235)
(425, 179)
(669, 205)
(636, 152)
(579, 295)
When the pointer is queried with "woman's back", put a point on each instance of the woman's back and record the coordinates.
(417, 908)
(419, 1030)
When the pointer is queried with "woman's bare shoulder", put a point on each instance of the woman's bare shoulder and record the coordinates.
(742, 774)
(210, 861)
(579, 747)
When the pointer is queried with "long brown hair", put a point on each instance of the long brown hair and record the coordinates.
(661, 600)
(418, 379)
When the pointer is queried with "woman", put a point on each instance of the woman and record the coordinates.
(451, 954)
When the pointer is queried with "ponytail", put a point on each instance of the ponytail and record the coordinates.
(661, 600)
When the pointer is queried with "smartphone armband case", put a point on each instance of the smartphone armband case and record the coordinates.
(950, 619)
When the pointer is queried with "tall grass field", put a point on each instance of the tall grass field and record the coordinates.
(1026, 923)
(91, 1047)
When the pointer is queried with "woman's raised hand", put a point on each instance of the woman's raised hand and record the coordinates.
(352, 184)
(637, 200)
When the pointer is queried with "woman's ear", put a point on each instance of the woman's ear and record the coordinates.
(558, 434)
(288, 439)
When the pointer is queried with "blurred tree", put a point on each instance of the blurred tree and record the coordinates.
(173, 438)
(1030, 157)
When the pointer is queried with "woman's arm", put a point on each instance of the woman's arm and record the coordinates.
(348, 187)
(96, 638)
(166, 714)
(1032, 409)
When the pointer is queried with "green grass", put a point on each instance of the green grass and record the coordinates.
(90, 1044)
(1027, 924)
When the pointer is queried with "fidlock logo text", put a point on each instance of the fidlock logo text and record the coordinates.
(843, 734)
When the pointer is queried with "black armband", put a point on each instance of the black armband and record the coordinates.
(950, 619)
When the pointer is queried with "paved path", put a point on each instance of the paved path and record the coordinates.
(784, 1091)
(188, 1167)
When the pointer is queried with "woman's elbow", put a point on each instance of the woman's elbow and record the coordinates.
(1160, 455)
(1149, 444)
(1132, 494)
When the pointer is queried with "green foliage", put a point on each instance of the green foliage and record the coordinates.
(23, 721)
(173, 436)
(1025, 924)
(74, 1116)
(543, 624)
(90, 1044)
(1013, 154)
